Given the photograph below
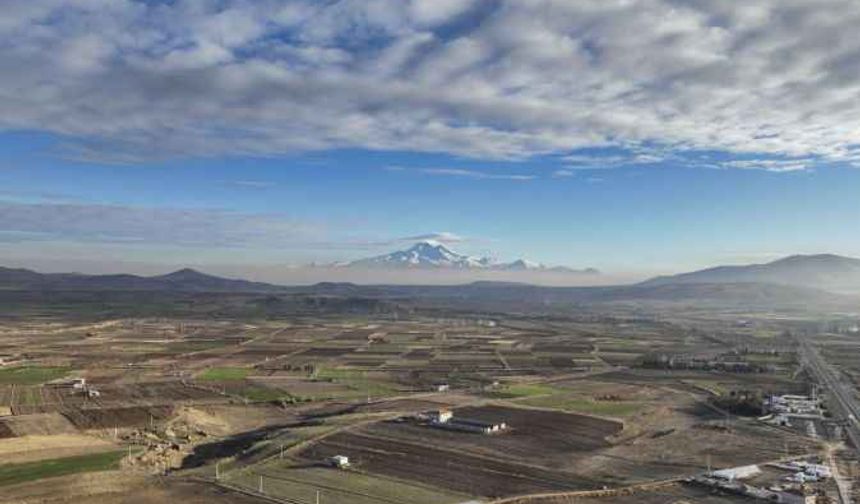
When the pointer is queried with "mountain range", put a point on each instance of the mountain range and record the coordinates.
(821, 271)
(795, 282)
(182, 280)
(434, 255)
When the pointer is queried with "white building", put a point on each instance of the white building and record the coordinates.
(736, 473)
(441, 416)
(340, 461)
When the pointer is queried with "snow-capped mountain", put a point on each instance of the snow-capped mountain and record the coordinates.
(425, 254)
(432, 255)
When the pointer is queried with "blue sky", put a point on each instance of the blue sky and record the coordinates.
(239, 135)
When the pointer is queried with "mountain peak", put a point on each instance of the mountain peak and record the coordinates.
(816, 259)
(184, 274)
(431, 254)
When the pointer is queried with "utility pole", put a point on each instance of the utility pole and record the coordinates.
(318, 497)
(261, 484)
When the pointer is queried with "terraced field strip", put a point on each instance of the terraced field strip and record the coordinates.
(609, 492)
(451, 469)
(11, 474)
(31, 375)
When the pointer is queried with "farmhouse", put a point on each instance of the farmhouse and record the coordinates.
(445, 419)
(339, 461)
(469, 425)
(441, 416)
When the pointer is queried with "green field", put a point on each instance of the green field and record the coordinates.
(586, 406)
(358, 380)
(31, 375)
(224, 374)
(11, 474)
(523, 390)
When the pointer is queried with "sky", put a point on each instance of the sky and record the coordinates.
(251, 138)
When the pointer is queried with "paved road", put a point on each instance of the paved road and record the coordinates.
(844, 404)
(844, 400)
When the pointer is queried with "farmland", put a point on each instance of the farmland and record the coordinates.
(11, 474)
(273, 398)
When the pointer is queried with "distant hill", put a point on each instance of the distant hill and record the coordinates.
(785, 284)
(759, 294)
(182, 280)
(822, 271)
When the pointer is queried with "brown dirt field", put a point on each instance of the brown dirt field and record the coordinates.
(108, 418)
(239, 418)
(564, 348)
(301, 387)
(202, 420)
(450, 469)
(184, 492)
(410, 405)
(32, 448)
(31, 400)
(673, 494)
(156, 393)
(5, 395)
(115, 487)
(324, 352)
(88, 487)
(686, 451)
(5, 431)
(549, 439)
(39, 424)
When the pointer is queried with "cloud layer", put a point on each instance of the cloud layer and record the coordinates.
(76, 222)
(128, 80)
(94, 223)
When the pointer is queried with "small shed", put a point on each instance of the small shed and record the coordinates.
(441, 416)
(340, 461)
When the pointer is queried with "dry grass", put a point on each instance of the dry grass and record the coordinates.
(33, 448)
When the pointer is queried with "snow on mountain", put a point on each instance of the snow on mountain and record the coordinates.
(426, 254)
(431, 254)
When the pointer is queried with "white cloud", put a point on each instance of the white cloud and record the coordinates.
(93, 223)
(441, 237)
(127, 80)
(198, 228)
(771, 165)
(477, 175)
